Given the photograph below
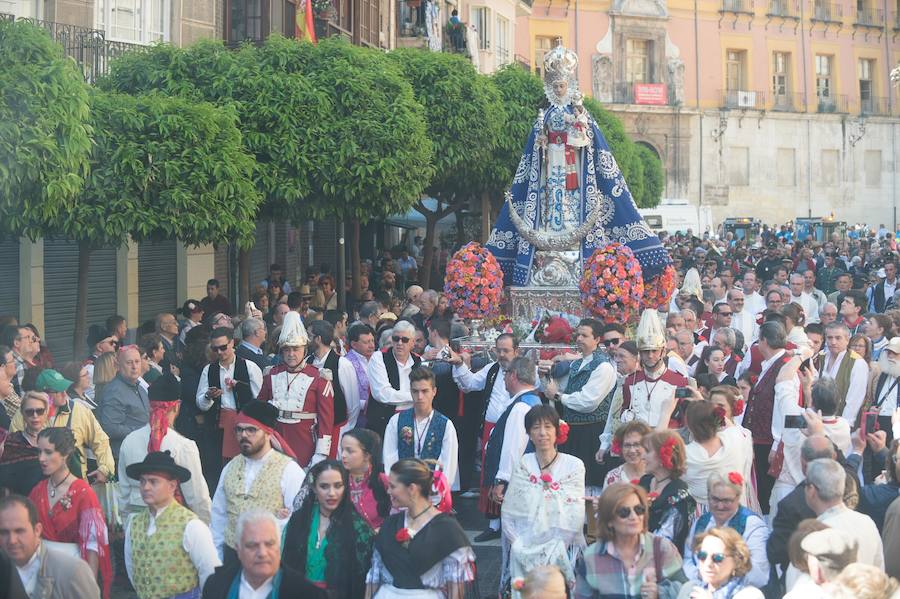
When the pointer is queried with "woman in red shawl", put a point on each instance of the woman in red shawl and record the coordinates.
(69, 512)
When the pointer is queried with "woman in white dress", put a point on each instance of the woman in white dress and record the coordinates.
(543, 508)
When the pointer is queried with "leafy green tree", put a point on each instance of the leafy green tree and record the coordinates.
(44, 136)
(161, 168)
(654, 177)
(465, 118)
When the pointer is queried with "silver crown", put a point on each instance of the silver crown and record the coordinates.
(560, 64)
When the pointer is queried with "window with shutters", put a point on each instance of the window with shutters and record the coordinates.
(481, 19)
(735, 70)
(865, 69)
(780, 62)
(26, 9)
(637, 60)
(503, 53)
(135, 21)
(823, 77)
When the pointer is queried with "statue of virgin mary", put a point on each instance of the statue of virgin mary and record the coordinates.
(568, 196)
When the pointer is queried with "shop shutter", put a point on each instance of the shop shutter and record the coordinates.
(9, 274)
(259, 255)
(157, 279)
(60, 289)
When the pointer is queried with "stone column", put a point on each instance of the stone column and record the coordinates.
(194, 266)
(127, 291)
(31, 282)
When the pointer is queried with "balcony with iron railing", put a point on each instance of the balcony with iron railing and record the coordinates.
(833, 103)
(88, 47)
(826, 12)
(787, 102)
(737, 6)
(869, 17)
(741, 99)
(874, 106)
(783, 8)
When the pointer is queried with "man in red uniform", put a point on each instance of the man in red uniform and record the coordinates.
(303, 395)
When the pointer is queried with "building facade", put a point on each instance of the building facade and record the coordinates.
(774, 109)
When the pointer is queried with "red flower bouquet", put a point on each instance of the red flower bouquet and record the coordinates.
(611, 286)
(658, 290)
(474, 282)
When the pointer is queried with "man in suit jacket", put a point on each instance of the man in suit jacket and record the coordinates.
(42, 573)
(124, 405)
(253, 336)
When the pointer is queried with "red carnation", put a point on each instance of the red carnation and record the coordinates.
(738, 407)
(546, 477)
(616, 448)
(403, 535)
(563, 435)
(735, 478)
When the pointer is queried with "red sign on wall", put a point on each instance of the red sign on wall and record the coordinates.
(651, 93)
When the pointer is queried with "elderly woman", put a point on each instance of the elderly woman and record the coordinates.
(725, 510)
(543, 508)
(628, 442)
(627, 561)
(671, 505)
(20, 470)
(723, 563)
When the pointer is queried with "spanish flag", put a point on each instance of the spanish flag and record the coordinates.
(305, 26)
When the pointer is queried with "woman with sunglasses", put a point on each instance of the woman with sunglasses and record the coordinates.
(19, 467)
(627, 561)
(725, 510)
(723, 561)
(671, 505)
(542, 510)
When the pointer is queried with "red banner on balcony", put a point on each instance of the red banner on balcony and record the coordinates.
(651, 93)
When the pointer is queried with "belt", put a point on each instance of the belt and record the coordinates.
(296, 415)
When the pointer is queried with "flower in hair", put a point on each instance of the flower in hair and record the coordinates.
(719, 411)
(563, 435)
(666, 452)
(738, 407)
(616, 448)
(735, 478)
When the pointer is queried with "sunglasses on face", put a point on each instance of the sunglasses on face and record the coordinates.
(31, 412)
(398, 339)
(725, 313)
(624, 512)
(219, 348)
(717, 558)
(610, 342)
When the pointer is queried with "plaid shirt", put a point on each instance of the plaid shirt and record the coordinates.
(601, 573)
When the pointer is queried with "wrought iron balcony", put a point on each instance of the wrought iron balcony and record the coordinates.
(827, 12)
(787, 102)
(741, 99)
(874, 106)
(737, 6)
(870, 17)
(835, 103)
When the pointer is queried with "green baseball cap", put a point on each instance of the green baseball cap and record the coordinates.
(51, 380)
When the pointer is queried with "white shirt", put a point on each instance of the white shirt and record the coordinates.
(888, 396)
(28, 573)
(469, 381)
(184, 452)
(197, 542)
(248, 592)
(745, 322)
(595, 390)
(228, 401)
(810, 306)
(346, 376)
(449, 459)
(291, 481)
(836, 429)
(380, 386)
(859, 527)
(515, 438)
(856, 391)
(754, 302)
(787, 395)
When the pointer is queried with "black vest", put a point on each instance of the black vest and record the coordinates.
(881, 303)
(243, 394)
(377, 413)
(340, 403)
(488, 388)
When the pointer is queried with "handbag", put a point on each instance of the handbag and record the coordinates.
(777, 462)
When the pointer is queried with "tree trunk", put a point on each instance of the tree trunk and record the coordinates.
(243, 279)
(81, 298)
(355, 273)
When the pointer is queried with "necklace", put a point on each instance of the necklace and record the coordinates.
(320, 534)
(657, 482)
(548, 464)
(414, 518)
(420, 439)
(53, 487)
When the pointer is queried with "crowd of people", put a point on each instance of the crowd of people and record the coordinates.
(739, 442)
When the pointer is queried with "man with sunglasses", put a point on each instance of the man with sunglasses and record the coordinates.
(99, 341)
(389, 372)
(721, 314)
(226, 385)
(24, 345)
(303, 394)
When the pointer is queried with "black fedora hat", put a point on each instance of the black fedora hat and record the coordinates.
(158, 461)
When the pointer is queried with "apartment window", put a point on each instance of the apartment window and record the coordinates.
(637, 60)
(26, 9)
(780, 66)
(245, 20)
(136, 21)
(823, 77)
(502, 40)
(735, 68)
(738, 166)
(481, 19)
(865, 68)
(542, 45)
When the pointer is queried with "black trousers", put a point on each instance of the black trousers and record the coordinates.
(764, 482)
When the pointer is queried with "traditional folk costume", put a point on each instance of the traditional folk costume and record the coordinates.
(364, 500)
(304, 400)
(270, 482)
(589, 386)
(165, 394)
(240, 383)
(543, 520)
(75, 524)
(851, 374)
(20, 470)
(437, 557)
(432, 438)
(341, 371)
(389, 386)
(509, 439)
(170, 554)
(671, 510)
(356, 389)
(496, 400)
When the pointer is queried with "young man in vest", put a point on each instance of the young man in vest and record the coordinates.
(489, 381)
(588, 385)
(302, 396)
(323, 357)
(389, 377)
(259, 477)
(509, 439)
(361, 339)
(848, 369)
(160, 435)
(771, 398)
(421, 431)
(226, 386)
(169, 552)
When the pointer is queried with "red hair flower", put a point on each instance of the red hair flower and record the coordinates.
(738, 407)
(719, 411)
(735, 478)
(665, 453)
(403, 536)
(563, 435)
(616, 448)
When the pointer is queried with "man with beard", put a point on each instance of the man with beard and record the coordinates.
(886, 387)
(259, 477)
(302, 396)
